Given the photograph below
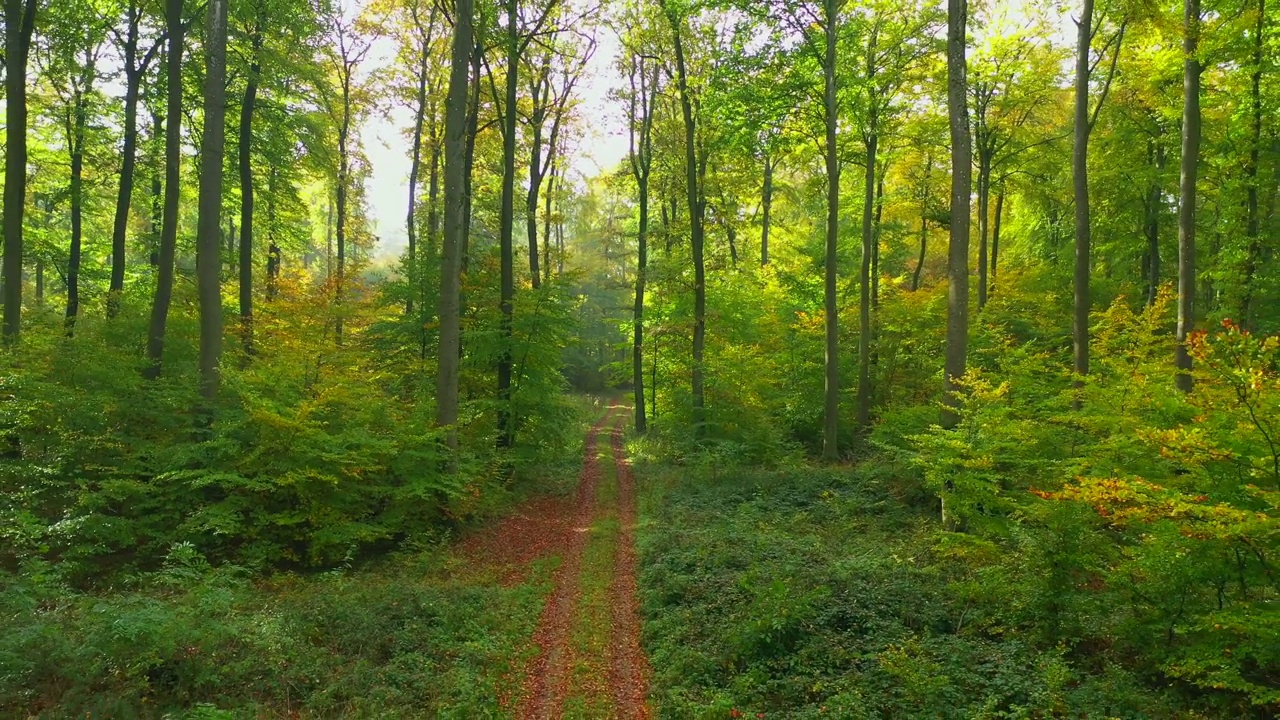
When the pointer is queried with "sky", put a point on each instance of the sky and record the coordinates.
(600, 142)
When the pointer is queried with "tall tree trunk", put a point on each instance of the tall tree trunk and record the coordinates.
(76, 142)
(328, 236)
(958, 252)
(560, 247)
(924, 224)
(506, 222)
(20, 20)
(731, 234)
(546, 220)
(175, 29)
(1080, 183)
(1187, 191)
(129, 157)
(246, 193)
(995, 239)
(212, 145)
(766, 202)
(415, 166)
(984, 204)
(696, 230)
(340, 228)
(433, 186)
(157, 189)
(531, 202)
(473, 130)
(1252, 225)
(273, 250)
(831, 380)
(637, 344)
(456, 166)
(864, 281)
(875, 241)
(1155, 204)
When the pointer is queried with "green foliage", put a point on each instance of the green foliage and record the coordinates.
(317, 452)
(815, 593)
(419, 636)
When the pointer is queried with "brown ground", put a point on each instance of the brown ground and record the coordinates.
(560, 527)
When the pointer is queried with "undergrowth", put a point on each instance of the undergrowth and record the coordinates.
(806, 593)
(422, 635)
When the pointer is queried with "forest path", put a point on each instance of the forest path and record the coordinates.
(589, 662)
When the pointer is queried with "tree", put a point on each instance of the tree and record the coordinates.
(254, 31)
(1083, 128)
(76, 38)
(896, 40)
(209, 222)
(550, 91)
(1253, 224)
(134, 69)
(958, 254)
(351, 49)
(175, 30)
(695, 172)
(1012, 83)
(455, 169)
(1187, 191)
(643, 77)
(19, 24)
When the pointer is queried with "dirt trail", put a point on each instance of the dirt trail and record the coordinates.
(589, 661)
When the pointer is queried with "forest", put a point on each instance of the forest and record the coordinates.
(640, 359)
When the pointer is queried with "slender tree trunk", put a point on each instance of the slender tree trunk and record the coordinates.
(875, 241)
(473, 129)
(273, 250)
(1080, 182)
(766, 202)
(128, 160)
(76, 142)
(172, 193)
(831, 380)
(415, 167)
(864, 283)
(328, 236)
(1252, 225)
(246, 194)
(39, 282)
(696, 229)
(637, 345)
(157, 190)
(531, 203)
(433, 187)
(506, 222)
(212, 145)
(1187, 192)
(456, 167)
(731, 234)
(924, 224)
(19, 25)
(546, 222)
(560, 251)
(995, 240)
(984, 205)
(1155, 205)
(344, 177)
(958, 252)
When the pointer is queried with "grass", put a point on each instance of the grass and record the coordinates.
(588, 696)
(816, 593)
(417, 636)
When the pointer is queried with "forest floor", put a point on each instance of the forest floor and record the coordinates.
(588, 661)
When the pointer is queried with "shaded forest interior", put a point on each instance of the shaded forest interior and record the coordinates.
(949, 337)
